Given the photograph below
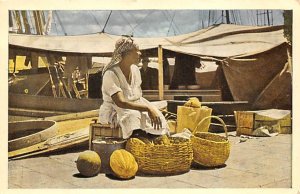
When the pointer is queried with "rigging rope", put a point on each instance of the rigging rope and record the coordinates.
(62, 27)
(250, 17)
(174, 24)
(132, 30)
(54, 21)
(30, 23)
(202, 19)
(233, 17)
(239, 14)
(171, 23)
(91, 13)
(106, 21)
(139, 22)
(168, 16)
(135, 21)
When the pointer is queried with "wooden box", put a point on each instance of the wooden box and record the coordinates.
(248, 121)
(98, 130)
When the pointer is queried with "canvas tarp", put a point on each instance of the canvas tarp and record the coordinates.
(224, 40)
(278, 93)
(257, 54)
(260, 78)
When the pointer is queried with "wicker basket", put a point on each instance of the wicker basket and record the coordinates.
(210, 149)
(170, 159)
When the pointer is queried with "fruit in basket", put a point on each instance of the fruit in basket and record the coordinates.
(193, 102)
(162, 140)
(88, 163)
(165, 140)
(146, 141)
(123, 164)
(138, 141)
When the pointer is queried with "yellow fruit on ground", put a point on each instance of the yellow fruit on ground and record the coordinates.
(123, 164)
(88, 163)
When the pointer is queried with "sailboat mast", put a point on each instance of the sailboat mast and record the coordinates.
(25, 22)
(48, 24)
(268, 17)
(37, 22)
(227, 17)
(18, 21)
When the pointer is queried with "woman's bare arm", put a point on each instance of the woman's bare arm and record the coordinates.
(121, 102)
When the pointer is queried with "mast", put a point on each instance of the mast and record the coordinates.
(208, 17)
(61, 25)
(227, 16)
(25, 22)
(268, 17)
(37, 22)
(222, 16)
(18, 21)
(48, 24)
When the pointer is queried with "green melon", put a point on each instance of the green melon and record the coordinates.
(88, 163)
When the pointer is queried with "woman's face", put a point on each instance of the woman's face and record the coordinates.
(133, 56)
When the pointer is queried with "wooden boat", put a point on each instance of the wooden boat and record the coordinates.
(72, 130)
(44, 106)
(23, 134)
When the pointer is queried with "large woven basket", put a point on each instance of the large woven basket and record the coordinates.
(210, 149)
(170, 159)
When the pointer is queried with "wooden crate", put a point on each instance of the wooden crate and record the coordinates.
(98, 130)
(247, 122)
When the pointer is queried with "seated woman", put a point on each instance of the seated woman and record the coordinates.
(121, 91)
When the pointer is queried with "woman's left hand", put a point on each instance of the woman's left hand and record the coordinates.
(155, 119)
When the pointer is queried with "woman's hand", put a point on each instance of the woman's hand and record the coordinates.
(155, 119)
(120, 101)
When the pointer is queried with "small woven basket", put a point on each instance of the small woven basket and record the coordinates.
(170, 159)
(210, 149)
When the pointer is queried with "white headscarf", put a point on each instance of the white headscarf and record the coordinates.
(122, 46)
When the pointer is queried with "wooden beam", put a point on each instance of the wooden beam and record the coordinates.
(160, 73)
(74, 116)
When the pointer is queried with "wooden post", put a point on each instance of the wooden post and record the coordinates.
(289, 68)
(160, 74)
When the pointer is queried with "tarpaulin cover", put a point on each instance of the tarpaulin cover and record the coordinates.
(224, 40)
(257, 78)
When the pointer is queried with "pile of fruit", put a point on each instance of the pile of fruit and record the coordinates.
(161, 140)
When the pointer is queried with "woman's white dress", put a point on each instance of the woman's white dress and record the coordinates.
(114, 81)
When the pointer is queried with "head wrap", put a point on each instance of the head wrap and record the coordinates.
(122, 46)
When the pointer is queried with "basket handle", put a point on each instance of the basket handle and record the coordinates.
(215, 117)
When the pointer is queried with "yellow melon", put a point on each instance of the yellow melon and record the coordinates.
(123, 164)
(88, 163)
(193, 102)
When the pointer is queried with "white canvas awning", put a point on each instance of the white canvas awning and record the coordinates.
(224, 40)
